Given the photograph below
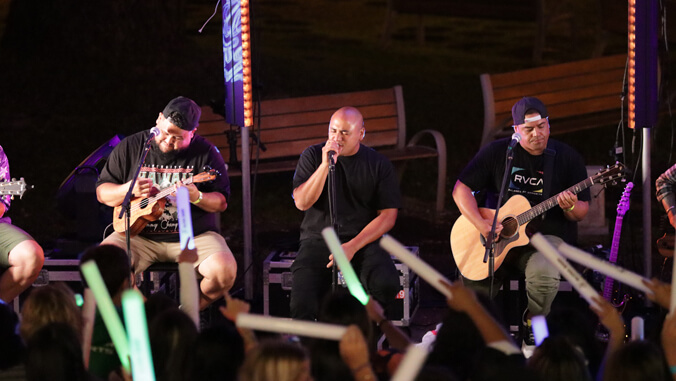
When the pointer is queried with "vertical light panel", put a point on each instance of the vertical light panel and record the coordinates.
(237, 63)
(642, 48)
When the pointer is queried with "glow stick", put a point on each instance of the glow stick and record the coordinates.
(189, 292)
(637, 328)
(137, 328)
(185, 231)
(417, 265)
(351, 279)
(610, 269)
(88, 316)
(294, 327)
(568, 272)
(107, 310)
(540, 330)
(410, 365)
(672, 304)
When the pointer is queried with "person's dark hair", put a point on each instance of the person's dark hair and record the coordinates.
(158, 303)
(341, 308)
(54, 353)
(458, 341)
(578, 325)
(52, 303)
(11, 345)
(172, 342)
(219, 353)
(113, 263)
(435, 373)
(275, 360)
(557, 359)
(637, 361)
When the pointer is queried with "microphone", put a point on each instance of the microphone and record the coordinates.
(516, 138)
(332, 161)
(154, 132)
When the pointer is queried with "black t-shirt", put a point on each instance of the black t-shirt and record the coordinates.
(365, 183)
(527, 178)
(167, 169)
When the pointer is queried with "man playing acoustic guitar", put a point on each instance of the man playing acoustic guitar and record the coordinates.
(541, 168)
(177, 155)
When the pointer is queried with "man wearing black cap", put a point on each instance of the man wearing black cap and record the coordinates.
(177, 153)
(541, 168)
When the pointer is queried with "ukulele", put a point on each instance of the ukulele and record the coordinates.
(146, 209)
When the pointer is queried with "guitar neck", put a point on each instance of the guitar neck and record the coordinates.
(551, 202)
(167, 191)
(608, 284)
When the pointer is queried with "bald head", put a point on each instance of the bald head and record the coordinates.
(347, 129)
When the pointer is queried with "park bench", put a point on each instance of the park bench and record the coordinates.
(579, 95)
(285, 127)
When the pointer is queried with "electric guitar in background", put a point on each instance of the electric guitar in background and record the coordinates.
(608, 285)
(609, 292)
(146, 209)
(14, 188)
(467, 244)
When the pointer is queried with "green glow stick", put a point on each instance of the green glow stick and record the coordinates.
(105, 305)
(137, 329)
(351, 279)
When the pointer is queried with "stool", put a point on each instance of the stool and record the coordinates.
(161, 276)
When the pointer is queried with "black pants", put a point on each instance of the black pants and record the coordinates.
(312, 280)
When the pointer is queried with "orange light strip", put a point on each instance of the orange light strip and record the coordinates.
(632, 63)
(246, 64)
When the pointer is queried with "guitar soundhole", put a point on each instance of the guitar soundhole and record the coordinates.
(510, 226)
(144, 203)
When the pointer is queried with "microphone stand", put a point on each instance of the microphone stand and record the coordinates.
(332, 214)
(489, 255)
(126, 204)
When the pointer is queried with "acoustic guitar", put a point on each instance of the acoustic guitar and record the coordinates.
(146, 209)
(467, 244)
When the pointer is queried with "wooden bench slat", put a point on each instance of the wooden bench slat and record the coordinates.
(329, 102)
(578, 95)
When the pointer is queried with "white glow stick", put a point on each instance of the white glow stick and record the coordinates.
(610, 269)
(294, 327)
(137, 333)
(672, 304)
(417, 265)
(540, 330)
(189, 291)
(351, 279)
(637, 328)
(116, 331)
(568, 272)
(410, 365)
(185, 231)
(88, 316)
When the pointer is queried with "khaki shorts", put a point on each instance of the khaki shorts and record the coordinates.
(146, 251)
(10, 236)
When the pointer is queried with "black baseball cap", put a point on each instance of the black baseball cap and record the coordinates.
(183, 112)
(524, 105)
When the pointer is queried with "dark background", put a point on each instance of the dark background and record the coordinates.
(75, 73)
